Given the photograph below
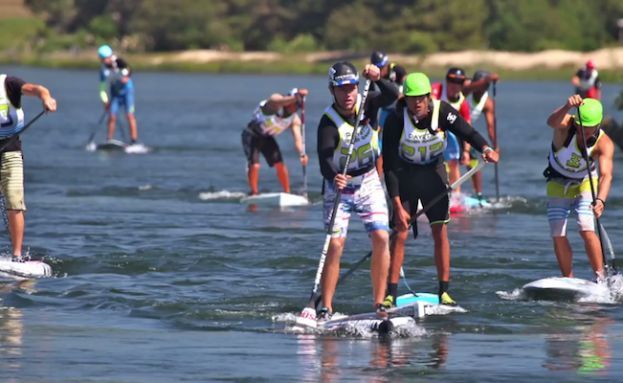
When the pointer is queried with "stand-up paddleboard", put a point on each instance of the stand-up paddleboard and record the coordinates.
(119, 146)
(28, 269)
(462, 203)
(276, 199)
(357, 323)
(560, 288)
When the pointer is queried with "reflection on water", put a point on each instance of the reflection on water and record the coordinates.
(587, 351)
(329, 359)
(11, 325)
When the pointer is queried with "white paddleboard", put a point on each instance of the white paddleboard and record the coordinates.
(120, 146)
(276, 199)
(29, 269)
(561, 288)
(353, 324)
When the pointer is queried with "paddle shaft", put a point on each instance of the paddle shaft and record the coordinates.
(495, 143)
(590, 182)
(325, 248)
(303, 144)
(28, 125)
(423, 210)
(99, 122)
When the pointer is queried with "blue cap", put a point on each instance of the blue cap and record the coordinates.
(104, 51)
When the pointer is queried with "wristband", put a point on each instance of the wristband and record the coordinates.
(487, 150)
(602, 201)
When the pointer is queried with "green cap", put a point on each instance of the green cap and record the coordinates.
(416, 84)
(591, 113)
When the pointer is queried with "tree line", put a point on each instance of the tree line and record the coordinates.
(404, 26)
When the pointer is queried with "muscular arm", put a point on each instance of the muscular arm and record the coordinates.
(296, 134)
(606, 154)
(276, 101)
(49, 103)
(391, 160)
(490, 120)
(328, 139)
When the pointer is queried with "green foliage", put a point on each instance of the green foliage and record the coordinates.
(15, 33)
(410, 26)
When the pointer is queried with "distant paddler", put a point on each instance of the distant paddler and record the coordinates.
(271, 117)
(414, 142)
(12, 123)
(568, 184)
(482, 105)
(116, 90)
(586, 81)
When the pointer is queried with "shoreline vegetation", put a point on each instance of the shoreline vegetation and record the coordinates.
(548, 64)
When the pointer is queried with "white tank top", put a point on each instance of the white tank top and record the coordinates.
(11, 118)
(569, 162)
(477, 110)
(272, 124)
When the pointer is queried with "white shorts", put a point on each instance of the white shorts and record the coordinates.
(365, 196)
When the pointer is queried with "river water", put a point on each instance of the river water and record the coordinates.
(162, 275)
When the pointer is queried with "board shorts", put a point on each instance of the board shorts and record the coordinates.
(254, 144)
(423, 183)
(564, 196)
(12, 180)
(453, 147)
(125, 101)
(363, 195)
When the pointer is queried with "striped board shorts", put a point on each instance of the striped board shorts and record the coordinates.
(12, 180)
(562, 198)
(363, 195)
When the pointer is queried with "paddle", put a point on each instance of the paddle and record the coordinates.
(310, 310)
(603, 232)
(95, 129)
(423, 210)
(590, 182)
(303, 142)
(11, 138)
(495, 144)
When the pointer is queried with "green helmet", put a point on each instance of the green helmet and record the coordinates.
(416, 84)
(591, 113)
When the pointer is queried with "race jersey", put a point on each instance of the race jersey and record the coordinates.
(441, 119)
(422, 145)
(569, 162)
(480, 106)
(11, 117)
(270, 124)
(366, 150)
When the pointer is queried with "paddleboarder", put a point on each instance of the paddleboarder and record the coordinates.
(568, 184)
(116, 90)
(271, 117)
(12, 122)
(413, 149)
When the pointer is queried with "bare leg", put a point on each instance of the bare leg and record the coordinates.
(454, 173)
(133, 128)
(397, 255)
(16, 230)
(477, 182)
(442, 251)
(593, 250)
(112, 121)
(380, 264)
(331, 271)
(282, 174)
(564, 255)
(253, 177)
